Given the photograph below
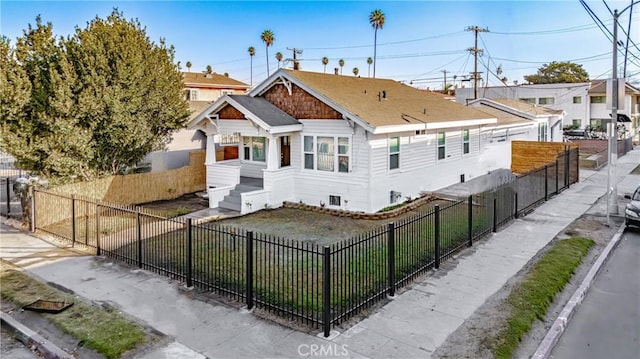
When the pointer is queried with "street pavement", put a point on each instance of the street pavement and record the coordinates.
(607, 323)
(412, 325)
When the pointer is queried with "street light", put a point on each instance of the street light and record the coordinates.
(612, 186)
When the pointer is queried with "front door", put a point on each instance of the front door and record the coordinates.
(285, 151)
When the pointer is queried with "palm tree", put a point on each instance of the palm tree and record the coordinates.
(279, 58)
(209, 69)
(252, 53)
(376, 19)
(325, 61)
(356, 71)
(268, 37)
(341, 63)
(369, 62)
(189, 65)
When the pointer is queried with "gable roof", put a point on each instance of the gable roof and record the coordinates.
(255, 109)
(380, 105)
(600, 87)
(265, 110)
(517, 108)
(505, 119)
(213, 80)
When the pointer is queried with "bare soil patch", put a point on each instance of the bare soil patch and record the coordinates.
(185, 204)
(318, 228)
(474, 338)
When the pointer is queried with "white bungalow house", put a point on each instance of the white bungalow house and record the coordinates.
(339, 141)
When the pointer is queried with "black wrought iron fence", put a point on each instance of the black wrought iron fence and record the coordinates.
(306, 283)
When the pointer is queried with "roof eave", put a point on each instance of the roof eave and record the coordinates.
(461, 123)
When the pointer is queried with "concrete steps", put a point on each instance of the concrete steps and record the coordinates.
(232, 201)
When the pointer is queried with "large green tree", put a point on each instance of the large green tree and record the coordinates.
(97, 101)
(40, 124)
(558, 72)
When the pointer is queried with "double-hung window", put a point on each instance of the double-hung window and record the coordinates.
(465, 141)
(326, 153)
(542, 131)
(394, 153)
(441, 145)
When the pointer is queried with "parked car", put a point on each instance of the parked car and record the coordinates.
(632, 212)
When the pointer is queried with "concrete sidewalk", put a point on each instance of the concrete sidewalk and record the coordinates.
(413, 325)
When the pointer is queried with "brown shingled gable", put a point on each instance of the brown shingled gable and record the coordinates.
(382, 102)
(300, 104)
(197, 79)
(229, 112)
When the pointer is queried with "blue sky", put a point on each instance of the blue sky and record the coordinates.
(418, 41)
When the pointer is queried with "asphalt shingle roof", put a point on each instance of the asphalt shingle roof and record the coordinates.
(365, 98)
(266, 111)
(527, 107)
(198, 79)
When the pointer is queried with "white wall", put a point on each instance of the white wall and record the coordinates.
(563, 95)
(176, 154)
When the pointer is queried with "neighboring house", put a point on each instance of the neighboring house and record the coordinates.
(599, 112)
(520, 120)
(201, 89)
(359, 144)
(584, 104)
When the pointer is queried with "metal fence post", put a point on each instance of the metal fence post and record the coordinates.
(33, 208)
(567, 167)
(515, 214)
(495, 213)
(97, 229)
(557, 178)
(8, 197)
(139, 236)
(249, 267)
(546, 183)
(189, 253)
(577, 164)
(437, 235)
(326, 291)
(391, 236)
(73, 220)
(470, 224)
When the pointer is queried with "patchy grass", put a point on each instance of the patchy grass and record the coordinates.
(530, 299)
(636, 171)
(105, 331)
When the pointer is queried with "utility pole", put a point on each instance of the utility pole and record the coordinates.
(296, 65)
(475, 50)
(444, 85)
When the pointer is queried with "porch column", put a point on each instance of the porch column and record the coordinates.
(272, 154)
(211, 150)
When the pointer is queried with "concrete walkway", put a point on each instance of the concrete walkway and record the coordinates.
(411, 326)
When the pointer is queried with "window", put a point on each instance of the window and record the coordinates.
(421, 132)
(193, 95)
(334, 200)
(394, 153)
(577, 99)
(308, 152)
(326, 153)
(441, 145)
(576, 122)
(465, 141)
(254, 149)
(343, 154)
(546, 101)
(529, 100)
(226, 92)
(598, 99)
(542, 131)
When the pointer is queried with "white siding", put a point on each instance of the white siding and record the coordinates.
(312, 186)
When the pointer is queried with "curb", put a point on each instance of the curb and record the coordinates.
(31, 338)
(560, 324)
